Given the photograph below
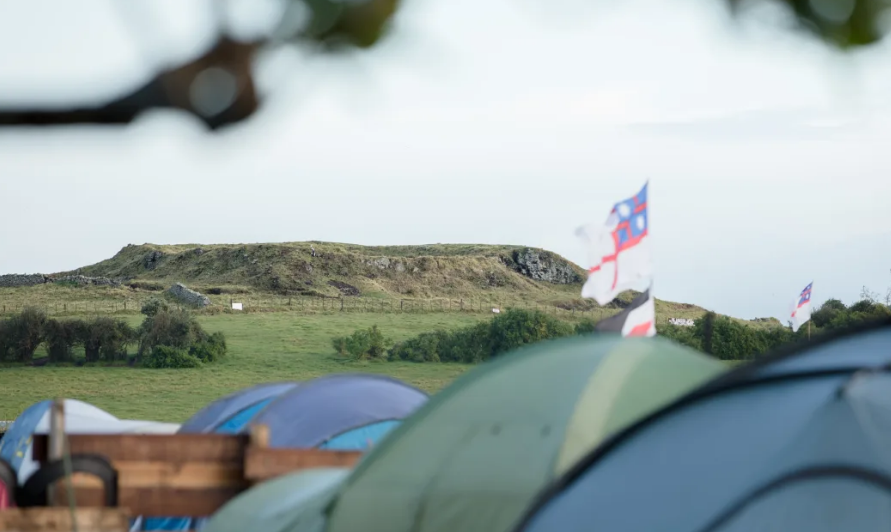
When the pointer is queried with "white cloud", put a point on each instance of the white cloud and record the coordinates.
(476, 123)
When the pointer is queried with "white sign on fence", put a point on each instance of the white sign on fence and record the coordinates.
(683, 322)
(496, 311)
(237, 306)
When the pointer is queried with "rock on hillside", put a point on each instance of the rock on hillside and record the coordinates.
(335, 270)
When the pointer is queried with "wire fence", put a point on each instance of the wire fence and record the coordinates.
(314, 305)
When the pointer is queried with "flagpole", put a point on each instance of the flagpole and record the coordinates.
(808, 329)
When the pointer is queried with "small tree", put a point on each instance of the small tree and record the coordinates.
(173, 328)
(153, 306)
(6, 340)
(363, 344)
(179, 331)
(60, 337)
(868, 295)
(104, 338)
(24, 333)
(210, 348)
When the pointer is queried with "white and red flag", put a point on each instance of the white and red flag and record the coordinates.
(637, 319)
(618, 251)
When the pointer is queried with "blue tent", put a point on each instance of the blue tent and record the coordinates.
(341, 411)
(797, 441)
(231, 413)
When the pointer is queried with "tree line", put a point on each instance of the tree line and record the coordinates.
(719, 336)
(728, 339)
(166, 338)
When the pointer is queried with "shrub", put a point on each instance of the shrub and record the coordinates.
(153, 306)
(363, 344)
(60, 337)
(23, 334)
(683, 335)
(173, 328)
(180, 331)
(585, 327)
(167, 357)
(6, 340)
(104, 338)
(209, 349)
(484, 340)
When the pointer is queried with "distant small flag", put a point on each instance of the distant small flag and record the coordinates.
(801, 310)
(638, 319)
(619, 250)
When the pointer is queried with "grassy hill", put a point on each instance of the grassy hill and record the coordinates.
(500, 275)
(332, 270)
(443, 286)
(309, 276)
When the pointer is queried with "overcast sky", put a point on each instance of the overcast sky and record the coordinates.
(478, 121)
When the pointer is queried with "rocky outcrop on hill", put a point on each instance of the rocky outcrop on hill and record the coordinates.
(345, 289)
(542, 266)
(151, 259)
(189, 296)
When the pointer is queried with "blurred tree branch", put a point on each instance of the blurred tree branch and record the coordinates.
(218, 87)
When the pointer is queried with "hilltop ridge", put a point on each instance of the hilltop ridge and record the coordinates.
(334, 270)
(498, 274)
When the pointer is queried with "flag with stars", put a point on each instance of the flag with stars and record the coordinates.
(801, 310)
(618, 251)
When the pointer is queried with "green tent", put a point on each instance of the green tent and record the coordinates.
(476, 454)
(290, 502)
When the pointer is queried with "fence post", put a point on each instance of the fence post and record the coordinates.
(341, 304)
(401, 305)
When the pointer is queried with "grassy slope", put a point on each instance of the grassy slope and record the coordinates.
(266, 274)
(466, 271)
(267, 346)
(263, 347)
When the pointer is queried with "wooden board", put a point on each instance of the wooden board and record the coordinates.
(263, 464)
(162, 488)
(152, 447)
(159, 474)
(59, 520)
(182, 474)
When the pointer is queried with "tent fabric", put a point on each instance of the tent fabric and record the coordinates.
(290, 502)
(360, 438)
(800, 442)
(342, 411)
(133, 426)
(80, 418)
(320, 409)
(475, 455)
(223, 410)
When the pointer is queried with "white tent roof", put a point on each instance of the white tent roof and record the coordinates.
(80, 418)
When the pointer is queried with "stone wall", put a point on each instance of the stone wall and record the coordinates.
(34, 279)
(15, 280)
(189, 296)
(82, 280)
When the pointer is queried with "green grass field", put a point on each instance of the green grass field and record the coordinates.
(263, 347)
